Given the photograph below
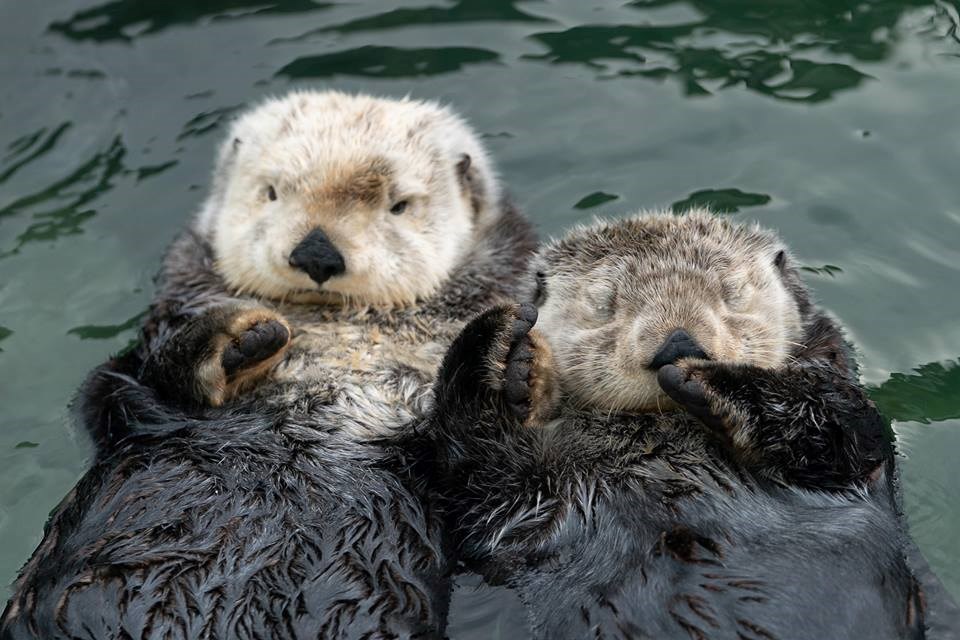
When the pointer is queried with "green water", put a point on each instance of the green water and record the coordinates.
(833, 121)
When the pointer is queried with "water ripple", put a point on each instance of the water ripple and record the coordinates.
(463, 11)
(207, 121)
(661, 52)
(774, 49)
(69, 197)
(931, 393)
(126, 19)
(387, 62)
(37, 143)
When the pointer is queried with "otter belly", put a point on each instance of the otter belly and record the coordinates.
(362, 378)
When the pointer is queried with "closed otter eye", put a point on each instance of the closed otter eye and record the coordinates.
(734, 294)
(602, 303)
(271, 193)
(399, 207)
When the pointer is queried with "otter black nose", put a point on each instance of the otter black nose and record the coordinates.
(317, 256)
(678, 345)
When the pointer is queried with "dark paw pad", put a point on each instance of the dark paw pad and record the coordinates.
(516, 384)
(254, 345)
(519, 363)
(522, 323)
(689, 393)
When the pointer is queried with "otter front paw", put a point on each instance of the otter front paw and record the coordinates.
(688, 384)
(244, 345)
(525, 373)
(263, 339)
(499, 361)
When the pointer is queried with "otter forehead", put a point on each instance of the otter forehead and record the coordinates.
(282, 135)
(660, 241)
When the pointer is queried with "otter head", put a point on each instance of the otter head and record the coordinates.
(620, 299)
(323, 196)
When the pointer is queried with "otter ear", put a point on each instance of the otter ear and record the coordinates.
(236, 143)
(463, 166)
(780, 260)
(470, 182)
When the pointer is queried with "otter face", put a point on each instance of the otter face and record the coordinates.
(327, 196)
(620, 299)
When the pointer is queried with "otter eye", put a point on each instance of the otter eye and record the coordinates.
(399, 207)
(271, 193)
(602, 303)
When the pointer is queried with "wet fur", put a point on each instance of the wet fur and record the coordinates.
(649, 525)
(282, 512)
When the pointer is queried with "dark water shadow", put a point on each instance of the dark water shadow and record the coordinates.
(4, 334)
(65, 204)
(720, 200)
(107, 331)
(28, 148)
(126, 19)
(830, 270)
(769, 47)
(463, 11)
(387, 62)
(931, 393)
(62, 208)
(847, 27)
(595, 199)
(207, 121)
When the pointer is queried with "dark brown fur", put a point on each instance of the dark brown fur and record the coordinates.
(659, 525)
(266, 517)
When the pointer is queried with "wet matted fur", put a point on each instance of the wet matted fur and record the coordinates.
(772, 516)
(244, 485)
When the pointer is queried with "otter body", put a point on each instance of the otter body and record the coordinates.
(676, 448)
(244, 484)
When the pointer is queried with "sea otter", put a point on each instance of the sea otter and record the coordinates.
(677, 446)
(241, 486)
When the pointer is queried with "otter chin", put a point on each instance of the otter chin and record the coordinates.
(621, 299)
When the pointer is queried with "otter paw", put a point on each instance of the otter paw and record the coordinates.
(528, 384)
(684, 383)
(254, 345)
(243, 349)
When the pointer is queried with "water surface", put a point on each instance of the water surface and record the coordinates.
(833, 121)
